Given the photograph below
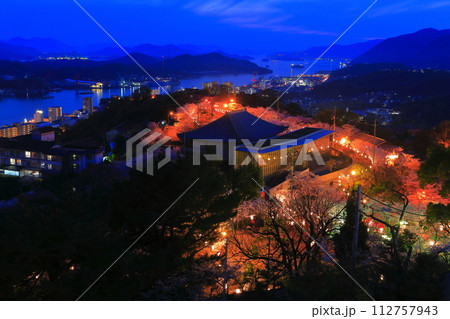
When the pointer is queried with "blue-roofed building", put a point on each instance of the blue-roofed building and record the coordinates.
(282, 152)
(235, 125)
(266, 148)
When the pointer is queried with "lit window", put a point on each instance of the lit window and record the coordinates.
(19, 162)
(42, 164)
(12, 161)
(27, 154)
(49, 157)
(49, 166)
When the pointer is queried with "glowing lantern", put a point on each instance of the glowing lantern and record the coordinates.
(391, 158)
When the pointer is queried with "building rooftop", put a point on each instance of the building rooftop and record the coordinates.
(46, 129)
(236, 125)
(85, 143)
(291, 139)
(368, 139)
(26, 143)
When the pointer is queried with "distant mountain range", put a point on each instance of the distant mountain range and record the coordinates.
(43, 45)
(338, 52)
(428, 48)
(187, 63)
(183, 65)
(17, 52)
(30, 49)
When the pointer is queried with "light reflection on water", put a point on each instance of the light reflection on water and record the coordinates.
(14, 109)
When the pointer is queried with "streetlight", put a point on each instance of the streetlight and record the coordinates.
(169, 116)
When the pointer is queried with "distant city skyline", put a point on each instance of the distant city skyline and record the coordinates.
(243, 26)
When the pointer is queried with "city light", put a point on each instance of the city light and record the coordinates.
(392, 156)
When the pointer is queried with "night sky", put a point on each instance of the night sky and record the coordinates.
(238, 26)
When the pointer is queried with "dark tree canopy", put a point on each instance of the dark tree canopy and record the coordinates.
(436, 168)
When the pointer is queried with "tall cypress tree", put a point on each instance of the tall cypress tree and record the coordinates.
(343, 240)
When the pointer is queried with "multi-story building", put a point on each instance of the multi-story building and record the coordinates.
(25, 128)
(38, 155)
(54, 113)
(229, 84)
(88, 104)
(8, 131)
(17, 129)
(38, 116)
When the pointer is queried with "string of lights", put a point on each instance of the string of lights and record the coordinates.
(392, 207)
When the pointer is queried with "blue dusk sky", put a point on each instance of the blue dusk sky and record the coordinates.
(256, 26)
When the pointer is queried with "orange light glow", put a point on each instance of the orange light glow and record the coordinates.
(392, 156)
